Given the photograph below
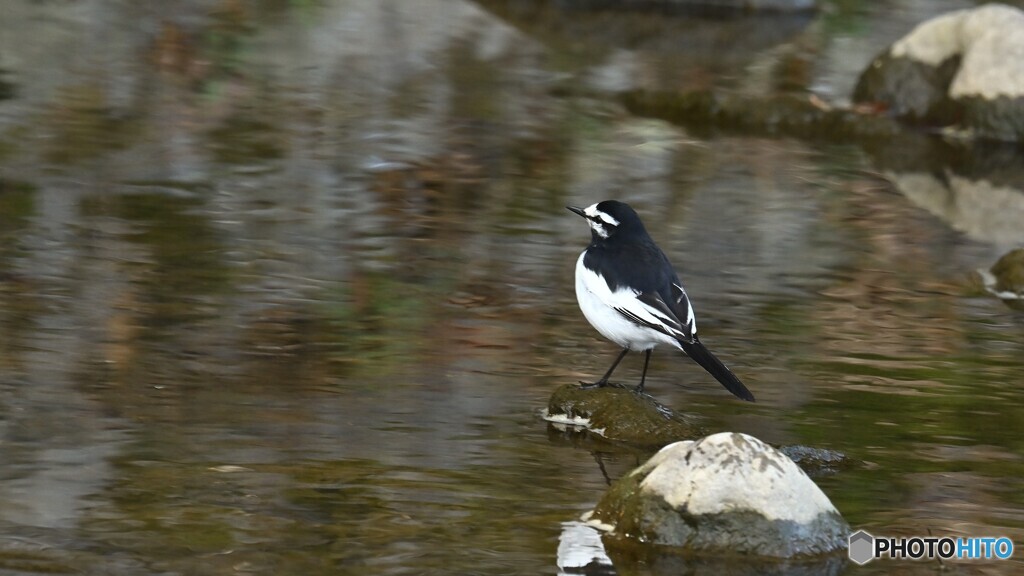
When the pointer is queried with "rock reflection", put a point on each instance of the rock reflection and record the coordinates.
(975, 189)
(580, 551)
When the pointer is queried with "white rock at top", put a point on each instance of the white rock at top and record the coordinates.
(934, 40)
(730, 472)
(990, 40)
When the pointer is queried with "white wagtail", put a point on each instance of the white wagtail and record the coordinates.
(630, 293)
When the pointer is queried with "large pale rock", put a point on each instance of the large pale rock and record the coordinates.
(726, 492)
(964, 68)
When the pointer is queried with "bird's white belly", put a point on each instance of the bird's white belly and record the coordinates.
(598, 302)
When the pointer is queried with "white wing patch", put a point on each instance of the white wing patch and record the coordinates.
(691, 319)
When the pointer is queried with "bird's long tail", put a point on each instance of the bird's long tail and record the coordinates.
(714, 366)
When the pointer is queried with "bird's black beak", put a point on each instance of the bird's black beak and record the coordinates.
(576, 210)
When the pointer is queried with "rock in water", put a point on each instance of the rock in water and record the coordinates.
(1009, 273)
(1005, 279)
(620, 415)
(727, 492)
(964, 68)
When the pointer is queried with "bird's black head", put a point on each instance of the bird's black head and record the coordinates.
(610, 218)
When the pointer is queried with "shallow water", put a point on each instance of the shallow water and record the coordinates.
(284, 287)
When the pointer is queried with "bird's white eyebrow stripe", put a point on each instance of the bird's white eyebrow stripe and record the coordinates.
(592, 212)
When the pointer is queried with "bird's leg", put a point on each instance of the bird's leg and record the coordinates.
(643, 376)
(604, 379)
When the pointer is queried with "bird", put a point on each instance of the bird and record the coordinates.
(631, 294)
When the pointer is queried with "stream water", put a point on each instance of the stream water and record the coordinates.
(285, 285)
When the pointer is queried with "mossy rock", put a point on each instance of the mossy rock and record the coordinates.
(953, 70)
(705, 111)
(620, 414)
(999, 118)
(1009, 272)
(912, 90)
(727, 493)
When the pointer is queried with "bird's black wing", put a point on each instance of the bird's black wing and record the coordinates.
(666, 294)
(657, 316)
(677, 300)
(643, 268)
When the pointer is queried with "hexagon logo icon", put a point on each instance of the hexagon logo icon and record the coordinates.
(861, 547)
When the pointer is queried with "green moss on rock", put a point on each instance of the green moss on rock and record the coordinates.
(1009, 272)
(773, 116)
(622, 415)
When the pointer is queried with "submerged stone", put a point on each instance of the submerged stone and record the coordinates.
(816, 461)
(619, 414)
(725, 493)
(706, 111)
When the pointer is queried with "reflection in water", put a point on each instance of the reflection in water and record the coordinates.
(283, 287)
(976, 189)
(580, 551)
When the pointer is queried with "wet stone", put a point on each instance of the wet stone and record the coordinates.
(1001, 118)
(911, 90)
(961, 69)
(619, 414)
(708, 112)
(726, 493)
(1009, 272)
(817, 461)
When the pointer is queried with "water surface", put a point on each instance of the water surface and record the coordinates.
(284, 287)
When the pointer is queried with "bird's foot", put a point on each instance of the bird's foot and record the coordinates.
(589, 385)
(639, 388)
